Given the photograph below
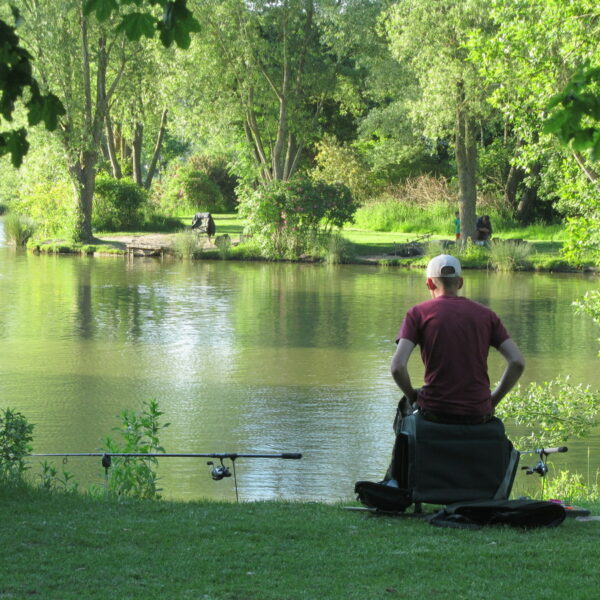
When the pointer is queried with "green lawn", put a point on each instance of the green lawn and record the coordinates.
(71, 547)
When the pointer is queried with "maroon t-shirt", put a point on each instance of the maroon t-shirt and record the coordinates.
(454, 334)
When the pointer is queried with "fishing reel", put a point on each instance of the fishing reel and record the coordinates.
(218, 472)
(541, 468)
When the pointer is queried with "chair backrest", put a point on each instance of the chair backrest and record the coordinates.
(442, 464)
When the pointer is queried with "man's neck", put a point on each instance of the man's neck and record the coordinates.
(439, 292)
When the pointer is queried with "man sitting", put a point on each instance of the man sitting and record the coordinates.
(454, 335)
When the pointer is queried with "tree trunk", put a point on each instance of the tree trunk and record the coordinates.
(112, 151)
(83, 175)
(466, 162)
(515, 177)
(138, 138)
(157, 149)
(528, 199)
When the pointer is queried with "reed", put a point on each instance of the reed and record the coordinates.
(510, 256)
(18, 229)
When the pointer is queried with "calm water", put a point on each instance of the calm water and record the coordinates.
(248, 357)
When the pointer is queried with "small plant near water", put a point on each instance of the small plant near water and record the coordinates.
(223, 244)
(507, 255)
(339, 250)
(51, 479)
(570, 487)
(18, 229)
(186, 244)
(15, 444)
(553, 412)
(140, 433)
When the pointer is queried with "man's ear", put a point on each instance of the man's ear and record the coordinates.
(460, 283)
(430, 284)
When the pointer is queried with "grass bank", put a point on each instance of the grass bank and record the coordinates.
(72, 547)
(542, 245)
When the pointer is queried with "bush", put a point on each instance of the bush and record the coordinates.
(186, 243)
(339, 250)
(49, 204)
(189, 190)
(553, 412)
(510, 256)
(18, 229)
(15, 444)
(285, 216)
(118, 204)
(216, 169)
(136, 477)
(340, 164)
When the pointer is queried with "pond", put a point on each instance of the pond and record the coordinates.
(249, 358)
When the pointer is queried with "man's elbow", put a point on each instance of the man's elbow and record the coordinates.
(517, 365)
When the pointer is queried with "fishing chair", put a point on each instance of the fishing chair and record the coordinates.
(441, 464)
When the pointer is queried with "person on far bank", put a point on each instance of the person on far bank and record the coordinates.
(484, 229)
(457, 225)
(454, 335)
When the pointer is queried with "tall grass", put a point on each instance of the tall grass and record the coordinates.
(18, 229)
(427, 204)
(509, 256)
(186, 244)
(339, 250)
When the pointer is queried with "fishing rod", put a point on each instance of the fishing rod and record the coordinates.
(541, 468)
(216, 472)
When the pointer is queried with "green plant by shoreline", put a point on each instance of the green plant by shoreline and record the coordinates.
(372, 247)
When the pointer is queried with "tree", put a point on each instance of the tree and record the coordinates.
(430, 38)
(529, 55)
(72, 57)
(268, 75)
(16, 65)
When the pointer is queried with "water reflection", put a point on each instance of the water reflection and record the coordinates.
(246, 357)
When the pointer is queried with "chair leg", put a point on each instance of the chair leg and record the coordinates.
(418, 508)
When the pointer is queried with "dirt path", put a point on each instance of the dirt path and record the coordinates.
(150, 239)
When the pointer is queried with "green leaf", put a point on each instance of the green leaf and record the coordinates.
(136, 25)
(102, 8)
(44, 108)
(177, 24)
(583, 139)
(555, 123)
(14, 143)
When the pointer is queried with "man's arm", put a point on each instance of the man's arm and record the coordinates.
(399, 368)
(514, 369)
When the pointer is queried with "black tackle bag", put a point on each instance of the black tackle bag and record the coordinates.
(382, 497)
(525, 514)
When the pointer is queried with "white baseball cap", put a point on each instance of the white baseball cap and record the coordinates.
(444, 265)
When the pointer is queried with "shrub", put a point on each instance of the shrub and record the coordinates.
(118, 204)
(340, 164)
(570, 487)
(223, 244)
(510, 256)
(553, 411)
(472, 255)
(217, 171)
(15, 444)
(49, 204)
(186, 243)
(18, 229)
(189, 190)
(136, 477)
(339, 250)
(285, 216)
